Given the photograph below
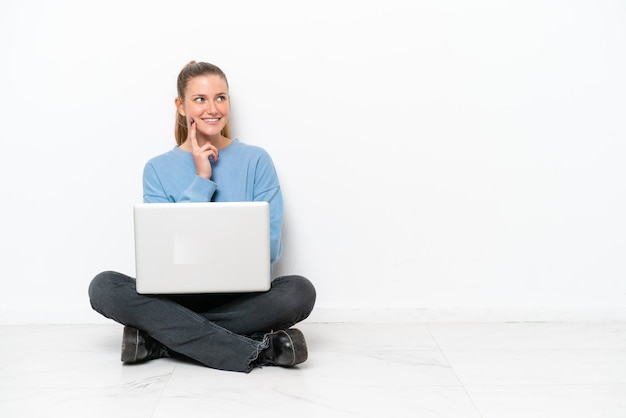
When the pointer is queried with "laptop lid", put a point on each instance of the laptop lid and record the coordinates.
(210, 247)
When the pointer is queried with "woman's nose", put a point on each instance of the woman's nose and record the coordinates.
(211, 108)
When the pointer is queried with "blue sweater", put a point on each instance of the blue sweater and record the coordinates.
(242, 173)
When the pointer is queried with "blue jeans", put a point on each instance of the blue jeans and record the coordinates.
(222, 331)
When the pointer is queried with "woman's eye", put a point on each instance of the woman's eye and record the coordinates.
(221, 98)
(199, 99)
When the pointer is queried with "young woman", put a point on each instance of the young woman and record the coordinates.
(224, 331)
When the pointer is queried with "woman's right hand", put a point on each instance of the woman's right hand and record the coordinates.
(202, 153)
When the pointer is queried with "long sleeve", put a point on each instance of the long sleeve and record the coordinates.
(267, 189)
(172, 178)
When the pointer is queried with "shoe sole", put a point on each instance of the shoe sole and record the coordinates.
(130, 344)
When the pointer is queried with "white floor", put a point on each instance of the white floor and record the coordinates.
(354, 370)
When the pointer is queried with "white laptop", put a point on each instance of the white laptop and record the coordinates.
(211, 247)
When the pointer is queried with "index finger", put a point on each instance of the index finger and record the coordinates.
(191, 129)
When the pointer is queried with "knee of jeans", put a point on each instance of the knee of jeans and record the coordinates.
(306, 293)
(100, 287)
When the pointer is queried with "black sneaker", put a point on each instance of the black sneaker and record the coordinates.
(137, 346)
(286, 348)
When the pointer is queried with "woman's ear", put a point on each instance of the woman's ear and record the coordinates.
(179, 106)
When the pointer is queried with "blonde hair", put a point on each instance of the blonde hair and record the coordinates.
(191, 70)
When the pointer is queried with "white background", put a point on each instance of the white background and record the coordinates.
(444, 156)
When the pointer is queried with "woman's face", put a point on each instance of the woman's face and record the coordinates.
(206, 102)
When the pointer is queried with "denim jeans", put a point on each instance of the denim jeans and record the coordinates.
(222, 331)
